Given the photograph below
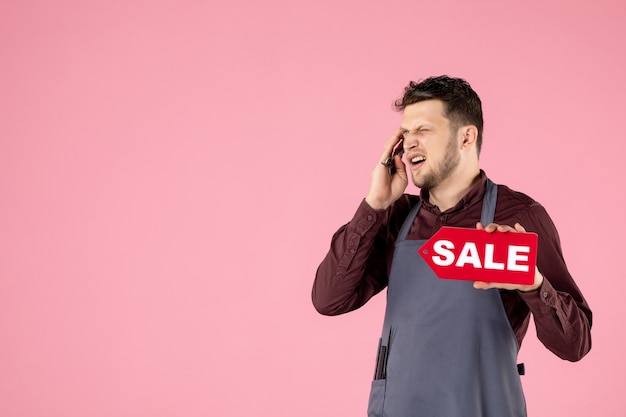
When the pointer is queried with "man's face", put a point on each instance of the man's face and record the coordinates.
(430, 143)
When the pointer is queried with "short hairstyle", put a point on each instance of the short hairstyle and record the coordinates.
(462, 104)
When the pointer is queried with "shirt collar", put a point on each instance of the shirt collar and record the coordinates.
(473, 196)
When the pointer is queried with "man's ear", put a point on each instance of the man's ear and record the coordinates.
(470, 134)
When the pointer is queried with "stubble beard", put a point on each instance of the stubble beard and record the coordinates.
(443, 170)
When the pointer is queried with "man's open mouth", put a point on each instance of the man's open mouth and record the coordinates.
(415, 161)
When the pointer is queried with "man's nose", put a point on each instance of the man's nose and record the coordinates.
(410, 142)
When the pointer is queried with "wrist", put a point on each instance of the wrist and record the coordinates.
(375, 204)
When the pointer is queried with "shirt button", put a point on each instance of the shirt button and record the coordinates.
(369, 218)
(544, 294)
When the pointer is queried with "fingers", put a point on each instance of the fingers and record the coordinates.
(492, 227)
(388, 149)
(386, 188)
(391, 158)
(480, 285)
(400, 167)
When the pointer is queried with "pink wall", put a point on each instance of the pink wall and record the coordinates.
(171, 173)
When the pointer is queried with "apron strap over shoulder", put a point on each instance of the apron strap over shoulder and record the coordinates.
(489, 203)
(406, 226)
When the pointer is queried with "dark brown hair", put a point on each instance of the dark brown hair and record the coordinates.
(462, 104)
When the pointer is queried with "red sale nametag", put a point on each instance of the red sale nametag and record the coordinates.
(475, 255)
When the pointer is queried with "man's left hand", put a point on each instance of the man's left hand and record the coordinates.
(490, 228)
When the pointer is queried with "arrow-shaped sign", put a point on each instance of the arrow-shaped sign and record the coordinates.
(475, 255)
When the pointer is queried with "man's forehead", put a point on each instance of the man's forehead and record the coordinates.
(426, 112)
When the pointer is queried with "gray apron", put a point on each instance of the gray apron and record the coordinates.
(448, 349)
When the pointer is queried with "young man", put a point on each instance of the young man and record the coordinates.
(448, 348)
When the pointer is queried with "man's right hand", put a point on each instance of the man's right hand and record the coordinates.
(385, 188)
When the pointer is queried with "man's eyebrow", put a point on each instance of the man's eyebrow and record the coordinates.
(419, 127)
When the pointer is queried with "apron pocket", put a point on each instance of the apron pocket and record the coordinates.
(377, 398)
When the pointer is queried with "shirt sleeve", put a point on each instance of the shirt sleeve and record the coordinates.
(561, 314)
(355, 267)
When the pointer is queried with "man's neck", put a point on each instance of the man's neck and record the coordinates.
(447, 194)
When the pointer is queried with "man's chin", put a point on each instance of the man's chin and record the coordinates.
(421, 182)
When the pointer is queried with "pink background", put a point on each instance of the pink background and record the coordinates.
(171, 173)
